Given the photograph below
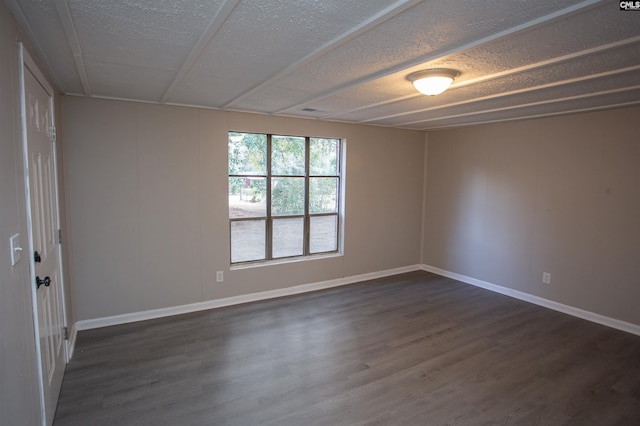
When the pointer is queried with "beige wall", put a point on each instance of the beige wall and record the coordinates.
(504, 203)
(147, 187)
(19, 400)
(507, 202)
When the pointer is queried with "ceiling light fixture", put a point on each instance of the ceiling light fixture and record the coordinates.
(432, 82)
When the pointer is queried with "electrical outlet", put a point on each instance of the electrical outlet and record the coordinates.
(219, 276)
(546, 277)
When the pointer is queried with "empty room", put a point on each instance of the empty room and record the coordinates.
(302, 212)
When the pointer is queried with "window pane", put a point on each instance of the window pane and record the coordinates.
(287, 196)
(323, 195)
(323, 157)
(247, 197)
(247, 240)
(247, 154)
(287, 155)
(324, 234)
(288, 237)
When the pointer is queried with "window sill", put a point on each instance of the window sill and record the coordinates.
(285, 261)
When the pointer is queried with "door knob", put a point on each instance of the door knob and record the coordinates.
(46, 282)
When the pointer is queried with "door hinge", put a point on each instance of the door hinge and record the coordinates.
(59, 236)
(53, 133)
(65, 332)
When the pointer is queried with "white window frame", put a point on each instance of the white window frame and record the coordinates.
(269, 218)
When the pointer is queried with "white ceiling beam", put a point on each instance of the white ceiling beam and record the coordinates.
(511, 93)
(212, 29)
(377, 19)
(483, 79)
(527, 117)
(543, 20)
(62, 7)
(25, 26)
(498, 95)
(377, 104)
(529, 104)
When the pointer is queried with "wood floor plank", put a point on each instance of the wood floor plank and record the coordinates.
(413, 349)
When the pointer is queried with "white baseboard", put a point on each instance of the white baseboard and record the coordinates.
(235, 300)
(306, 288)
(566, 309)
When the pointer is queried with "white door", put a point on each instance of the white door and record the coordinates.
(41, 185)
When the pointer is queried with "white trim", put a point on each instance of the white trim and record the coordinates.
(438, 54)
(216, 23)
(284, 261)
(27, 63)
(71, 343)
(370, 23)
(69, 27)
(556, 306)
(236, 300)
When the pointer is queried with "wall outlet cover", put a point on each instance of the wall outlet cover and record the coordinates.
(16, 249)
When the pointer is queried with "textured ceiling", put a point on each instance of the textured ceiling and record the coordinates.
(344, 60)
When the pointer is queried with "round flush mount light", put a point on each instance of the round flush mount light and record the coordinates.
(432, 82)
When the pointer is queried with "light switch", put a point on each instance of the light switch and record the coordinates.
(16, 249)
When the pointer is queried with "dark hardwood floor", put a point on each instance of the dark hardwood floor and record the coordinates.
(414, 349)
